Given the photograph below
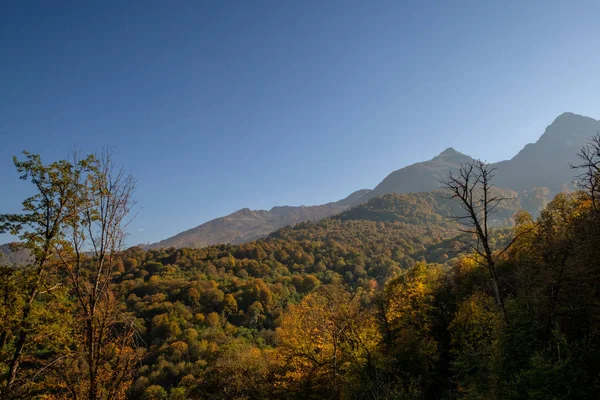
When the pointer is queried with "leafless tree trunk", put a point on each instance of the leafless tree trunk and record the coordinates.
(589, 179)
(472, 187)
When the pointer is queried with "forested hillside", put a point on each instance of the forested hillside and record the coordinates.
(412, 296)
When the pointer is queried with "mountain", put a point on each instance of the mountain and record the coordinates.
(245, 225)
(546, 163)
(536, 173)
(8, 256)
(422, 176)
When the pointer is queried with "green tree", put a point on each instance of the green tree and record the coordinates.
(74, 229)
(42, 228)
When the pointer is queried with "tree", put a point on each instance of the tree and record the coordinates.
(474, 189)
(155, 392)
(40, 227)
(475, 330)
(89, 260)
(73, 227)
(241, 371)
(230, 304)
(589, 179)
(412, 318)
(326, 340)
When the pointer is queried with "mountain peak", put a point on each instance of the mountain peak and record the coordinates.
(569, 128)
(450, 155)
(569, 120)
(450, 151)
(545, 163)
(569, 116)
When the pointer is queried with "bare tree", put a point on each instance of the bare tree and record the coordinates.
(472, 186)
(589, 179)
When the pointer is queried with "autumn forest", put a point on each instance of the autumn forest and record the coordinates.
(451, 294)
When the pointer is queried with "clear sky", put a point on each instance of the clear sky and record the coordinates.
(220, 105)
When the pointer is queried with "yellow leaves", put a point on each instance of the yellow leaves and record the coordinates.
(154, 280)
(583, 205)
(475, 332)
(326, 334)
(409, 314)
(242, 370)
(476, 318)
(409, 296)
(180, 346)
(199, 318)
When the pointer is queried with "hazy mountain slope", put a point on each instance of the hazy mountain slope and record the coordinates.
(10, 257)
(245, 225)
(546, 163)
(354, 199)
(422, 176)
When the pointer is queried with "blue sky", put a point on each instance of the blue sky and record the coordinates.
(220, 105)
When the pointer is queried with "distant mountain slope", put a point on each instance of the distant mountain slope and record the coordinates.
(422, 176)
(546, 162)
(246, 225)
(10, 257)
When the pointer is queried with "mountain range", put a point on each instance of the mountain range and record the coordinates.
(536, 173)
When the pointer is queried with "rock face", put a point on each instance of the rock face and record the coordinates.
(536, 173)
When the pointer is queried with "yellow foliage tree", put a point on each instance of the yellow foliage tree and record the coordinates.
(409, 314)
(324, 341)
